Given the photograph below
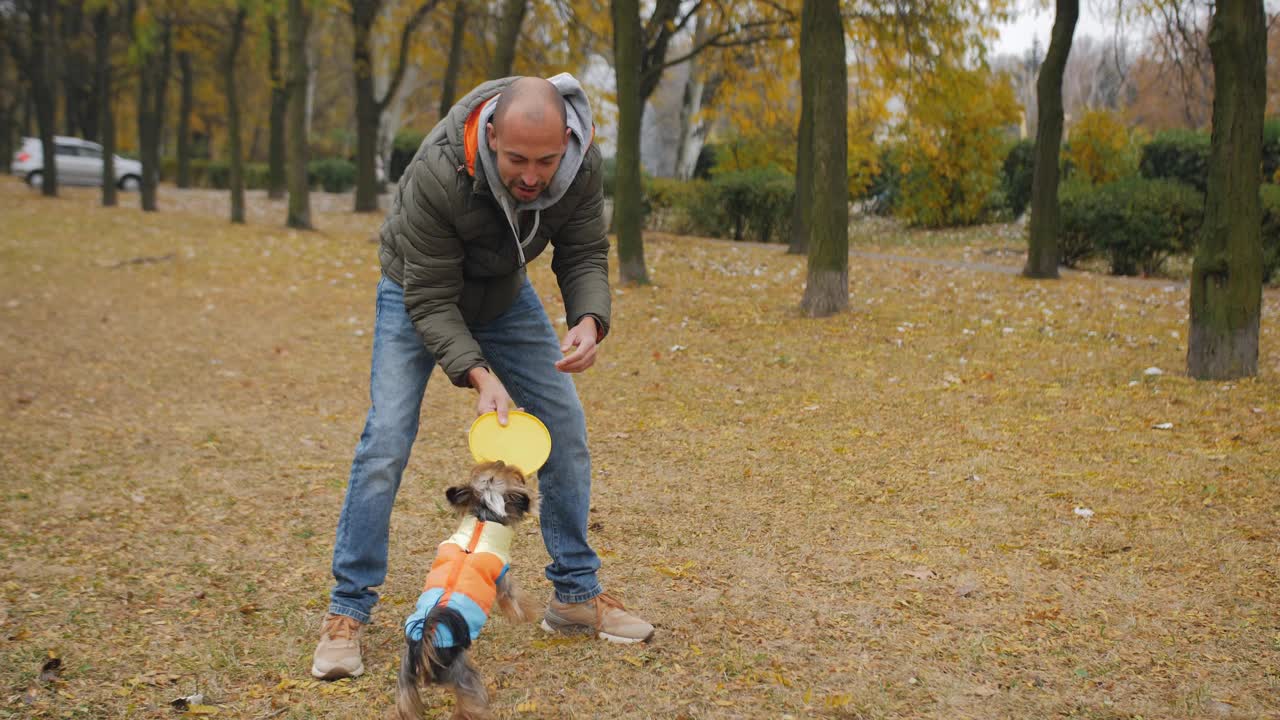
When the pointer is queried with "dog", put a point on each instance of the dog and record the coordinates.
(468, 575)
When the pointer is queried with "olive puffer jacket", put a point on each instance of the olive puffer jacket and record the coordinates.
(449, 243)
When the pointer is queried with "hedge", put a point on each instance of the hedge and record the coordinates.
(1181, 155)
(403, 148)
(1135, 222)
(744, 205)
(1015, 179)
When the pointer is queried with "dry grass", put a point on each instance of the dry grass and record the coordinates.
(870, 516)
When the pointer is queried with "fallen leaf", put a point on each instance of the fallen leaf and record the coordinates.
(50, 670)
(183, 704)
(921, 573)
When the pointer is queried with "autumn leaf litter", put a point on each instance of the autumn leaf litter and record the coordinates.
(955, 500)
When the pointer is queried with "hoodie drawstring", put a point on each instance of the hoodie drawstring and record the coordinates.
(512, 216)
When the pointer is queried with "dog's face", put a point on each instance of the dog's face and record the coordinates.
(496, 492)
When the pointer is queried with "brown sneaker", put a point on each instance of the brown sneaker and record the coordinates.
(338, 653)
(602, 616)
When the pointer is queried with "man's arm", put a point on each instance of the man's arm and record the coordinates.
(433, 278)
(581, 257)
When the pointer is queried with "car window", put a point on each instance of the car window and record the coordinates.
(88, 152)
(66, 150)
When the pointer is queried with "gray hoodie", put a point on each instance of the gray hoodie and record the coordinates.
(578, 118)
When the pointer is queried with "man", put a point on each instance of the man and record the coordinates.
(510, 169)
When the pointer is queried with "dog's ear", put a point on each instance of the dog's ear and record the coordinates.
(460, 497)
(517, 503)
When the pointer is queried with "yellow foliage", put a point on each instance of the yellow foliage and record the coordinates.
(955, 135)
(1098, 147)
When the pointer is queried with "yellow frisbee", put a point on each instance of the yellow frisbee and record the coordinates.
(524, 443)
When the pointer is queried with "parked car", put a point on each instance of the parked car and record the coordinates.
(79, 163)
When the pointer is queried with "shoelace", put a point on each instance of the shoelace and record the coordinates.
(604, 601)
(341, 627)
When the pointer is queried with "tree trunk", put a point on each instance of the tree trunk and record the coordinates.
(691, 126)
(233, 117)
(1226, 275)
(1043, 254)
(367, 111)
(275, 145)
(369, 107)
(102, 58)
(823, 61)
(187, 74)
(153, 82)
(299, 213)
(449, 86)
(627, 212)
(41, 15)
(802, 207)
(8, 109)
(504, 54)
(80, 101)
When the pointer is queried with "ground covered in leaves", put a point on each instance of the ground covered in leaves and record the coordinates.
(972, 495)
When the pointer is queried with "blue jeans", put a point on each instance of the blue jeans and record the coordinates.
(521, 348)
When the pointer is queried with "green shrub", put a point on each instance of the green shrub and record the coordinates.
(1271, 150)
(1080, 204)
(1137, 223)
(334, 175)
(1270, 196)
(1015, 180)
(257, 176)
(678, 206)
(217, 175)
(199, 173)
(885, 190)
(756, 203)
(1178, 155)
(403, 149)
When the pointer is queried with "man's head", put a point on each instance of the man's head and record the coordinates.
(529, 135)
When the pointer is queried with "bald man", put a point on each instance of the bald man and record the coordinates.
(510, 170)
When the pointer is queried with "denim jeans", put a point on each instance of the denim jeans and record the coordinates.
(521, 348)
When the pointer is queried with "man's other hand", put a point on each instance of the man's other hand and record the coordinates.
(493, 395)
(582, 341)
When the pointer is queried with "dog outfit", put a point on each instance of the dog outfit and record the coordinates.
(464, 577)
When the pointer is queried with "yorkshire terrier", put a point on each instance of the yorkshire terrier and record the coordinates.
(468, 575)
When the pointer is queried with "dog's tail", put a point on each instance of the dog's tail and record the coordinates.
(423, 661)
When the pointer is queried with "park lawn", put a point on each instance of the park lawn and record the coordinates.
(876, 515)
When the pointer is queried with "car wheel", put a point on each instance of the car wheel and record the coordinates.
(35, 179)
(130, 183)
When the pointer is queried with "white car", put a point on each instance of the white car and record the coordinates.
(79, 163)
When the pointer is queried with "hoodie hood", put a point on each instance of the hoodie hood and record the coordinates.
(581, 132)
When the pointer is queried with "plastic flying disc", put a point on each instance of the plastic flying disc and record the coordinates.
(523, 443)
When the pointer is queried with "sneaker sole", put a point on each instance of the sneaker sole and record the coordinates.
(586, 630)
(336, 673)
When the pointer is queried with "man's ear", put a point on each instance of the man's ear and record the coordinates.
(460, 497)
(492, 135)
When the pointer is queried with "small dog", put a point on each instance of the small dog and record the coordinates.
(468, 575)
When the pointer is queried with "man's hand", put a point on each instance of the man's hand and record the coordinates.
(493, 395)
(582, 340)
